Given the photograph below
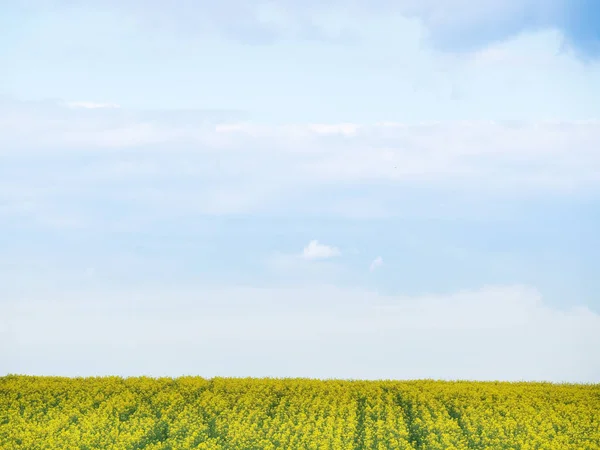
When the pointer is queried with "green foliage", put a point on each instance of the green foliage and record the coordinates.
(268, 414)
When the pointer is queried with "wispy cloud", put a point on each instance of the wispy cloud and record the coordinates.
(190, 165)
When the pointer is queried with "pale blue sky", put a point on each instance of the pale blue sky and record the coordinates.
(214, 182)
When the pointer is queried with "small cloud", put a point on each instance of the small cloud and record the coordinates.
(91, 105)
(377, 262)
(314, 250)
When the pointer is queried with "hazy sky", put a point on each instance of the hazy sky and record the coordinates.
(379, 189)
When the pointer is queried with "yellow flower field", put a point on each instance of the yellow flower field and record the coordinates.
(267, 414)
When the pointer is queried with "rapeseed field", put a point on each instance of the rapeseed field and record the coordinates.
(268, 414)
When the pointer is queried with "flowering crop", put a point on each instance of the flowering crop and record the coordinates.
(267, 414)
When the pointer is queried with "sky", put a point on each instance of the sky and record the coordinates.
(356, 190)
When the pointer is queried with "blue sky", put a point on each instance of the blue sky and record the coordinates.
(324, 189)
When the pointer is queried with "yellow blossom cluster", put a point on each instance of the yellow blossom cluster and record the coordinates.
(268, 414)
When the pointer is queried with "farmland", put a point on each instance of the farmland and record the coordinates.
(252, 413)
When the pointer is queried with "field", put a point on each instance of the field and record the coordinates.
(265, 414)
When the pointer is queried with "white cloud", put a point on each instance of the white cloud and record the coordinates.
(496, 332)
(377, 262)
(314, 250)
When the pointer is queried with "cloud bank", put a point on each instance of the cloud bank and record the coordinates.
(496, 332)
